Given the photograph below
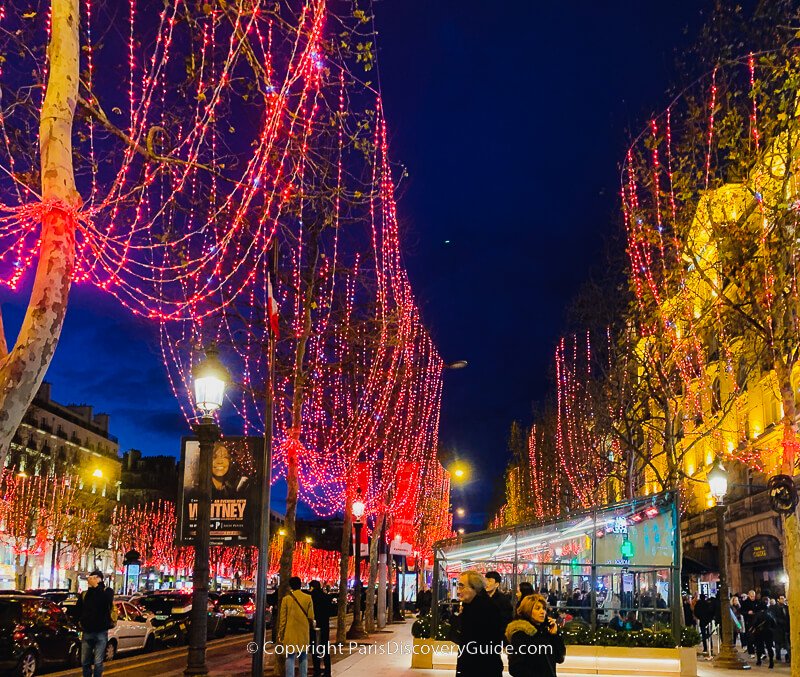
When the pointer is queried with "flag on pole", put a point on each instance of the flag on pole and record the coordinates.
(272, 308)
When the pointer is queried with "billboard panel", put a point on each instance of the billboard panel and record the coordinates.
(235, 481)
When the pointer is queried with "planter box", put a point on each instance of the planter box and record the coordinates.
(609, 661)
(430, 652)
(624, 661)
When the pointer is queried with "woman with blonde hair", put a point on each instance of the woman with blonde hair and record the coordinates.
(533, 642)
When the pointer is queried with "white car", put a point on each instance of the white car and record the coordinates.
(133, 631)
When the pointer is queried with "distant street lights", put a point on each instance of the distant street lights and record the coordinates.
(210, 380)
(460, 512)
(728, 657)
(458, 364)
(356, 630)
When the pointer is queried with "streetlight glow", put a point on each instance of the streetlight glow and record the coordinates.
(718, 482)
(358, 506)
(210, 379)
(97, 473)
(461, 512)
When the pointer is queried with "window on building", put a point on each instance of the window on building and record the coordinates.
(741, 374)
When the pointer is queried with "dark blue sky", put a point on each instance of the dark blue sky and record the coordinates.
(512, 119)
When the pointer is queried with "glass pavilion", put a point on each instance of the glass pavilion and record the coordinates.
(616, 559)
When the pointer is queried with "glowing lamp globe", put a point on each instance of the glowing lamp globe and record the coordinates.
(718, 481)
(210, 379)
(358, 506)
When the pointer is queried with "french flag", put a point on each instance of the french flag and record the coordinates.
(272, 308)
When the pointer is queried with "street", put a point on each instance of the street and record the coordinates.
(226, 656)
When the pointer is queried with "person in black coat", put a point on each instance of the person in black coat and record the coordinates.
(320, 649)
(762, 630)
(93, 612)
(534, 644)
(750, 607)
(424, 600)
(478, 630)
(500, 600)
(780, 612)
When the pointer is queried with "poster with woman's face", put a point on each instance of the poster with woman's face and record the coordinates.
(234, 468)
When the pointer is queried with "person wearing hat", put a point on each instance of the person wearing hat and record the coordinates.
(501, 601)
(93, 612)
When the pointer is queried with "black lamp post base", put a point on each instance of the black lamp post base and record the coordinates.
(728, 659)
(195, 670)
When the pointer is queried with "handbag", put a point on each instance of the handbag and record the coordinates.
(313, 630)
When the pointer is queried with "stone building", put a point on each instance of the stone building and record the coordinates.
(148, 478)
(65, 441)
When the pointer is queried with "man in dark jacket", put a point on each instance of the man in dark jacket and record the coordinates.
(478, 630)
(93, 611)
(750, 607)
(704, 612)
(780, 612)
(322, 614)
(424, 600)
(501, 601)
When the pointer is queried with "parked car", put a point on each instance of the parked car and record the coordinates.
(171, 611)
(59, 596)
(134, 631)
(239, 608)
(35, 632)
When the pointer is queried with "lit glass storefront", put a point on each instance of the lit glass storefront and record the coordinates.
(618, 560)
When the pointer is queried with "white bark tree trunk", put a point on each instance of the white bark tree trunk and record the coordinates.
(22, 370)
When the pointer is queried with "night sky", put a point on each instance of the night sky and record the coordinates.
(512, 119)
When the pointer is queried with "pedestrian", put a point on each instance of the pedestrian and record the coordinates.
(534, 644)
(424, 601)
(737, 619)
(525, 589)
(762, 631)
(688, 614)
(94, 610)
(780, 612)
(296, 618)
(704, 612)
(750, 607)
(478, 630)
(321, 650)
(500, 600)
(631, 622)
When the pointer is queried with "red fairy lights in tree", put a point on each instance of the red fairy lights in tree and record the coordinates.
(578, 442)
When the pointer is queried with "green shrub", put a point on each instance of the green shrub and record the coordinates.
(442, 631)
(580, 634)
(421, 628)
(690, 636)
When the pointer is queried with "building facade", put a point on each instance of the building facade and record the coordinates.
(146, 479)
(74, 444)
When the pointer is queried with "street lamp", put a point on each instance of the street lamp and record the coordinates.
(210, 379)
(461, 512)
(728, 657)
(356, 630)
(458, 364)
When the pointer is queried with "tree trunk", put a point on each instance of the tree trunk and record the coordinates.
(373, 574)
(292, 479)
(22, 370)
(791, 523)
(344, 565)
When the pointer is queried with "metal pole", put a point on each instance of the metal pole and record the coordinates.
(727, 657)
(207, 433)
(356, 630)
(259, 623)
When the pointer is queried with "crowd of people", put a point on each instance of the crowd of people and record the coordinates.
(490, 622)
(760, 623)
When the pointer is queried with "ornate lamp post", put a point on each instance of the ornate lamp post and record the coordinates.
(210, 379)
(356, 630)
(728, 657)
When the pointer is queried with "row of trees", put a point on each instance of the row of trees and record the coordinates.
(46, 518)
(227, 176)
(706, 326)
